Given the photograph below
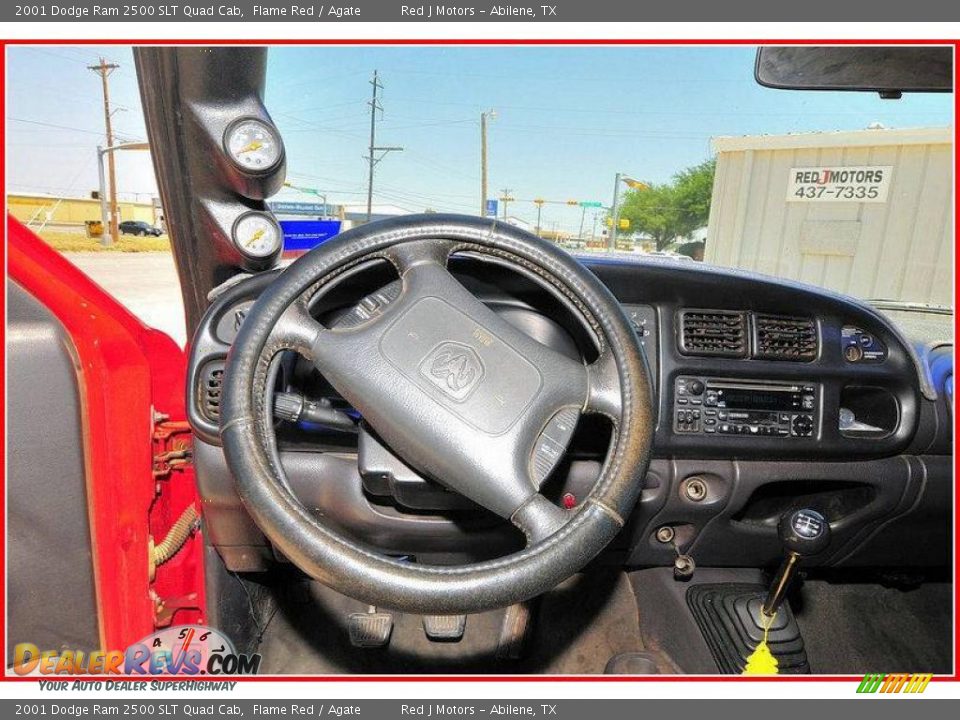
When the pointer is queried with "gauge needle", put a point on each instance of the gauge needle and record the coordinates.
(253, 145)
(256, 236)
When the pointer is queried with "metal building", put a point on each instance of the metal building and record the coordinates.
(867, 212)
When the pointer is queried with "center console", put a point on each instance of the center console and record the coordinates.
(725, 406)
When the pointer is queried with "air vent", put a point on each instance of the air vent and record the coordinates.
(786, 338)
(713, 332)
(211, 389)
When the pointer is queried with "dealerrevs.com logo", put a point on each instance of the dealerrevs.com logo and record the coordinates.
(183, 650)
(894, 683)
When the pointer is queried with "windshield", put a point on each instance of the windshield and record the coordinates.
(627, 153)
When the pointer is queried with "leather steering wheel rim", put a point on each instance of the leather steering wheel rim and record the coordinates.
(560, 543)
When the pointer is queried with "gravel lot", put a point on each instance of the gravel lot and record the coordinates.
(146, 283)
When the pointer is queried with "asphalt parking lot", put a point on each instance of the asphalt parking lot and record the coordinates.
(146, 283)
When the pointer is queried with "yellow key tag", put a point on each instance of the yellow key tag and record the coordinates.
(761, 660)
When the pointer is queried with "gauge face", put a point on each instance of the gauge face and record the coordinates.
(257, 235)
(253, 145)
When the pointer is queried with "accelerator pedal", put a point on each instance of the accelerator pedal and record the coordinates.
(371, 629)
(444, 628)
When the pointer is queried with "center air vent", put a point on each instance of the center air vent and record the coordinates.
(713, 332)
(786, 338)
(211, 387)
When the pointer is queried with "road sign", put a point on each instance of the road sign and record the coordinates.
(624, 223)
(591, 204)
(302, 235)
(491, 208)
(297, 208)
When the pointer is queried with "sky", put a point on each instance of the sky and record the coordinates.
(567, 119)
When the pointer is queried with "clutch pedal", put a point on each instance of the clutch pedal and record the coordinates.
(371, 629)
(444, 628)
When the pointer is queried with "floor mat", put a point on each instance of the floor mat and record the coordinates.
(867, 627)
(578, 627)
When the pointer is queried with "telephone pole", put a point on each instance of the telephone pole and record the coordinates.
(615, 211)
(505, 198)
(373, 158)
(104, 69)
(492, 115)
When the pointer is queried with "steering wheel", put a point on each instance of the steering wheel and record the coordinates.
(456, 391)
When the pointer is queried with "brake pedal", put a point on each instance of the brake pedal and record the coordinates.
(444, 628)
(371, 629)
(513, 632)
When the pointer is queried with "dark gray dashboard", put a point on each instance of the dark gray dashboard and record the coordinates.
(899, 483)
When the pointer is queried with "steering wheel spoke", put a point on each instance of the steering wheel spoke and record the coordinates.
(539, 518)
(296, 329)
(604, 394)
(429, 251)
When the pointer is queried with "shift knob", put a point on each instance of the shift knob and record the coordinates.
(804, 532)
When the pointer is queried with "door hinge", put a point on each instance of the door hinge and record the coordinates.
(172, 446)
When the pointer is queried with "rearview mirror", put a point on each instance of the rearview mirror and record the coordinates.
(890, 71)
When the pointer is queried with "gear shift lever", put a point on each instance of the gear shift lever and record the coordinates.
(803, 533)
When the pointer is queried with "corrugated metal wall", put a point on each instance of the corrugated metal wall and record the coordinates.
(901, 249)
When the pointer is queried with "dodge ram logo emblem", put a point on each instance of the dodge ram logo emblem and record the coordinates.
(454, 368)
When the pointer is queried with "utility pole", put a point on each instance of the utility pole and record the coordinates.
(505, 198)
(615, 211)
(372, 158)
(492, 115)
(104, 69)
(539, 203)
(583, 216)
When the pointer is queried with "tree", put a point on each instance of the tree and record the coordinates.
(694, 188)
(672, 210)
(652, 212)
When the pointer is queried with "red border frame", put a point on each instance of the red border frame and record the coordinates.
(500, 42)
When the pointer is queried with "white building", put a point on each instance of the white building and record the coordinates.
(867, 212)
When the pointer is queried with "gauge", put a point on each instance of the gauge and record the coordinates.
(257, 235)
(253, 145)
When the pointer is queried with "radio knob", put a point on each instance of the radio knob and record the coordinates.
(695, 387)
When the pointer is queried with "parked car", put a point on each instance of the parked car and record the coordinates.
(139, 228)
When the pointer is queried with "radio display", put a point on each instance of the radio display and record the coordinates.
(757, 399)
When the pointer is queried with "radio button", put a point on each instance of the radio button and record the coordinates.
(802, 426)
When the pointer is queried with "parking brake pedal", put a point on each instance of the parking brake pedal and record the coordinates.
(444, 628)
(371, 629)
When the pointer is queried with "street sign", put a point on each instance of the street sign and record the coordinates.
(297, 208)
(302, 235)
(624, 223)
(491, 208)
(591, 204)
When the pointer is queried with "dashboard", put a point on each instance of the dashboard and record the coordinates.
(768, 393)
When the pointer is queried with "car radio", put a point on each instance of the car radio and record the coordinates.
(759, 408)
